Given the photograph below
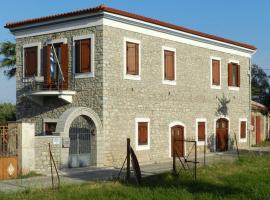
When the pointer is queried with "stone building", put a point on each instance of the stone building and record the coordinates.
(89, 79)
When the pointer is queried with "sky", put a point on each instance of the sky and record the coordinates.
(241, 20)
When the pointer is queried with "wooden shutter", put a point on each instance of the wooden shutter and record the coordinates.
(142, 133)
(201, 131)
(169, 65)
(77, 56)
(243, 130)
(132, 58)
(215, 72)
(252, 120)
(230, 71)
(30, 61)
(64, 65)
(46, 66)
(238, 75)
(85, 55)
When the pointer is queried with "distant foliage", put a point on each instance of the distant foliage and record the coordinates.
(260, 87)
(7, 112)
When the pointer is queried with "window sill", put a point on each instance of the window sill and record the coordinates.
(244, 140)
(84, 75)
(132, 77)
(201, 143)
(142, 147)
(168, 82)
(234, 88)
(36, 78)
(216, 87)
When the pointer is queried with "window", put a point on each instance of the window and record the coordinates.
(132, 59)
(50, 128)
(83, 56)
(31, 60)
(233, 74)
(215, 73)
(201, 131)
(243, 130)
(169, 69)
(142, 134)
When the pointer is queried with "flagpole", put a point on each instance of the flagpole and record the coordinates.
(58, 62)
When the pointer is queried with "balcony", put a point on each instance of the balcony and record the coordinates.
(37, 89)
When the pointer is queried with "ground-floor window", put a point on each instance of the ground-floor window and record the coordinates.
(242, 130)
(49, 126)
(201, 131)
(142, 133)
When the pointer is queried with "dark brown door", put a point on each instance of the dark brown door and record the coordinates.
(258, 129)
(222, 135)
(177, 140)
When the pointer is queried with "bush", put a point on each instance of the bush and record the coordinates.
(7, 112)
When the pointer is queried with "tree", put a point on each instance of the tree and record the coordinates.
(260, 88)
(8, 52)
(7, 112)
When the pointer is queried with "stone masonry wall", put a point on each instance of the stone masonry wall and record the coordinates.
(89, 90)
(190, 98)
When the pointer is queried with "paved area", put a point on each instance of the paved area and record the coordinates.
(81, 175)
(256, 150)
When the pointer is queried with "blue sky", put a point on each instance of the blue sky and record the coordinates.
(241, 20)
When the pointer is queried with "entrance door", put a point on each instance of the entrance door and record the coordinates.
(222, 135)
(258, 129)
(177, 140)
(80, 142)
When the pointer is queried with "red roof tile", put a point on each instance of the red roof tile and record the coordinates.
(126, 14)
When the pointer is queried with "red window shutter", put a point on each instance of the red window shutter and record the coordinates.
(142, 133)
(215, 72)
(201, 131)
(30, 61)
(238, 75)
(243, 130)
(230, 71)
(85, 55)
(132, 58)
(64, 65)
(169, 65)
(46, 66)
(77, 56)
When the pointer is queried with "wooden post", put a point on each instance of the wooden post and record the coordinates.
(174, 154)
(195, 170)
(128, 159)
(51, 164)
(204, 153)
(236, 145)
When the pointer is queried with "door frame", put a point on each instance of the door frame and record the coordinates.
(175, 123)
(215, 131)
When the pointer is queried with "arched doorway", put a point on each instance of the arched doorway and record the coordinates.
(177, 140)
(82, 140)
(222, 134)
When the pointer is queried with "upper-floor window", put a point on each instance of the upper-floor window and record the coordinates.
(83, 56)
(169, 66)
(31, 60)
(233, 74)
(215, 73)
(132, 59)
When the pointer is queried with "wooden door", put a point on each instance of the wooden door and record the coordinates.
(177, 140)
(222, 135)
(258, 129)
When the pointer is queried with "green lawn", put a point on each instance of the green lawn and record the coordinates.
(247, 178)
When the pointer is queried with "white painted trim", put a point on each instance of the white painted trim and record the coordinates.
(45, 120)
(234, 61)
(81, 37)
(38, 45)
(175, 123)
(200, 143)
(233, 88)
(215, 131)
(164, 81)
(55, 41)
(125, 75)
(211, 73)
(242, 140)
(142, 147)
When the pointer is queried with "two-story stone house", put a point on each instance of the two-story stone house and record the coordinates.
(121, 75)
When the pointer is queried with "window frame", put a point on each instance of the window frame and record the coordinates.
(201, 143)
(142, 147)
(92, 49)
(125, 75)
(234, 88)
(48, 120)
(164, 81)
(39, 77)
(211, 73)
(242, 140)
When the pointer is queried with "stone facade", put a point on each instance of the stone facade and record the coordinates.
(117, 102)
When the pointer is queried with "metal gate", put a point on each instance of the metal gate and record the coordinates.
(80, 142)
(8, 151)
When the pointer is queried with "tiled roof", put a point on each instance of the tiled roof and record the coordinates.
(102, 8)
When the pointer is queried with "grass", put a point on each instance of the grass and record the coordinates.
(28, 175)
(247, 178)
(265, 143)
